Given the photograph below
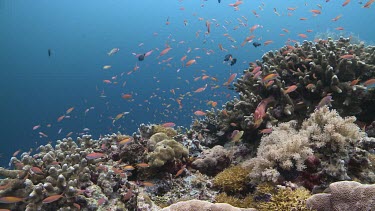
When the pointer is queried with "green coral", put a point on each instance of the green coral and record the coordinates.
(232, 179)
(286, 199)
(166, 150)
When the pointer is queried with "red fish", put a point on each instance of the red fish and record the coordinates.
(369, 82)
(260, 111)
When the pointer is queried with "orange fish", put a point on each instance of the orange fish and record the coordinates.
(269, 77)
(10, 199)
(204, 77)
(199, 113)
(336, 18)
(368, 4)
(303, 19)
(179, 172)
(125, 141)
(60, 118)
(51, 199)
(201, 89)
(143, 165)
(347, 56)
(267, 42)
(94, 155)
(340, 28)
(302, 35)
(190, 62)
(168, 124)
(231, 78)
(163, 52)
(183, 58)
(290, 89)
(126, 96)
(345, 3)
(69, 110)
(316, 11)
(213, 104)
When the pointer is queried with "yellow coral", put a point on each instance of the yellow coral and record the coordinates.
(286, 199)
(247, 202)
(170, 132)
(232, 179)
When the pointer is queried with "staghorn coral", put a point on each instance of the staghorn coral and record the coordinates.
(335, 141)
(203, 206)
(344, 196)
(233, 179)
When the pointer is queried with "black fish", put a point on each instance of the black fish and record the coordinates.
(49, 52)
(234, 60)
(227, 57)
(141, 57)
(256, 44)
(219, 1)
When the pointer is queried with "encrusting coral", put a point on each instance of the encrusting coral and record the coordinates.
(203, 206)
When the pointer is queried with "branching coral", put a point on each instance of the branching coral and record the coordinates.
(298, 77)
(233, 179)
(336, 141)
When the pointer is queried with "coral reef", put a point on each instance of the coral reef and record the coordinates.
(233, 179)
(213, 161)
(167, 150)
(298, 78)
(286, 198)
(327, 148)
(344, 196)
(204, 206)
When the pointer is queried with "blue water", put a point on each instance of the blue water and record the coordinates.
(36, 89)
